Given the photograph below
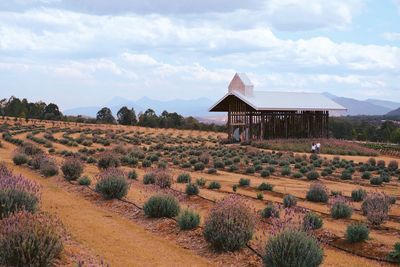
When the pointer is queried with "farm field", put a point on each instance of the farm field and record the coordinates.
(115, 231)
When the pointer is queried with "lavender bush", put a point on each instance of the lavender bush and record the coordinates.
(340, 208)
(376, 208)
(30, 240)
(292, 247)
(230, 224)
(112, 184)
(72, 168)
(17, 193)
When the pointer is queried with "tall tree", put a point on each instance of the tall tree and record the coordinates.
(105, 116)
(126, 116)
(52, 112)
(148, 119)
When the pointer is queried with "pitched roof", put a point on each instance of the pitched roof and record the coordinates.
(299, 101)
(244, 79)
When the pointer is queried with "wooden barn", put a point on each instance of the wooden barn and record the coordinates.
(259, 115)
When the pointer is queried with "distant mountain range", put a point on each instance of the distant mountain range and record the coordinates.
(364, 107)
(199, 107)
(195, 107)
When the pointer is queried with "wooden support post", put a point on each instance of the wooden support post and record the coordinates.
(229, 125)
(251, 125)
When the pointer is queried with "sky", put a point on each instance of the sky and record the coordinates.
(84, 53)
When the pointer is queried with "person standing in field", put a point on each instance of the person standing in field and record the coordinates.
(318, 147)
(313, 147)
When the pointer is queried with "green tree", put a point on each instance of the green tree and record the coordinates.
(104, 115)
(126, 116)
(52, 112)
(148, 119)
(395, 136)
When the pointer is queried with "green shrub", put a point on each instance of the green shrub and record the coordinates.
(161, 205)
(395, 254)
(229, 225)
(376, 180)
(346, 175)
(108, 160)
(357, 232)
(313, 175)
(317, 193)
(188, 219)
(385, 177)
(72, 168)
(201, 182)
(30, 240)
(244, 182)
(265, 173)
(270, 211)
(312, 221)
(132, 175)
(234, 187)
(260, 196)
(163, 178)
(191, 189)
(303, 169)
(146, 163)
(183, 178)
(293, 247)
(212, 171)
(48, 168)
(265, 187)
(149, 178)
(358, 194)
(219, 165)
(297, 175)
(20, 159)
(84, 181)
(289, 201)
(199, 166)
(13, 200)
(112, 184)
(250, 170)
(286, 170)
(340, 209)
(366, 175)
(214, 185)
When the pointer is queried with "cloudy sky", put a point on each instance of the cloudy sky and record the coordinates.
(82, 53)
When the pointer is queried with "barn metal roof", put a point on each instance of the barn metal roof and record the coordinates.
(299, 101)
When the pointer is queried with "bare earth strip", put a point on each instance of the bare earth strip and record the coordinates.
(117, 240)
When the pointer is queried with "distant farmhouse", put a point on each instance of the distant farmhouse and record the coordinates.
(258, 115)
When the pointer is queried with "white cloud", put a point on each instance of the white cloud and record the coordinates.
(192, 55)
(392, 36)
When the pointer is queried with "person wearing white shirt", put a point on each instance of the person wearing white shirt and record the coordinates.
(318, 147)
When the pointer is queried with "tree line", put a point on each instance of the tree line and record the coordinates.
(149, 118)
(366, 128)
(15, 107)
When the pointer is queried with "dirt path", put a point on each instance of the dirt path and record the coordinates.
(117, 240)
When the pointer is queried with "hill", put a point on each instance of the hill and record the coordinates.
(394, 113)
(359, 107)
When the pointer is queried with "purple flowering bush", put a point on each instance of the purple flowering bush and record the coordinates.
(30, 239)
(230, 224)
(376, 208)
(17, 193)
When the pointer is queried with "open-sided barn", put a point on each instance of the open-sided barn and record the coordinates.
(267, 114)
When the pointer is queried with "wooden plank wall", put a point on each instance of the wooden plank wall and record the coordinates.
(277, 124)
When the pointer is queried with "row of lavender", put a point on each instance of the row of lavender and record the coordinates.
(28, 236)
